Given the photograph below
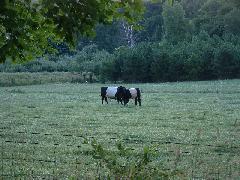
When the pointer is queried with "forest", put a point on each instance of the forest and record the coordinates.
(189, 40)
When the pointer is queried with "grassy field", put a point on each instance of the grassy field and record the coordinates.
(27, 78)
(192, 128)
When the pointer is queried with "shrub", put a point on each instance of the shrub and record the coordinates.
(227, 61)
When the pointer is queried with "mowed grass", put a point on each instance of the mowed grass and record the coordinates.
(193, 127)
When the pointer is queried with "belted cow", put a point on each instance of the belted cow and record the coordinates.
(112, 93)
(132, 93)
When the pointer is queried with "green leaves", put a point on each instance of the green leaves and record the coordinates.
(170, 2)
(26, 32)
(175, 23)
(26, 26)
(3, 36)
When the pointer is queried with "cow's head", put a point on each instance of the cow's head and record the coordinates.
(120, 92)
(126, 96)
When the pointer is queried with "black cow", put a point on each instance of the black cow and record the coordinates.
(112, 93)
(132, 93)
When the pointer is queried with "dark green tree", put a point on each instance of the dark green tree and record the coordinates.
(192, 7)
(227, 61)
(160, 67)
(218, 17)
(26, 25)
(175, 24)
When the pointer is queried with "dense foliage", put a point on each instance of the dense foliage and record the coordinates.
(27, 25)
(189, 40)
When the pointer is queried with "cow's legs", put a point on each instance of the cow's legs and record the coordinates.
(119, 100)
(102, 99)
(136, 101)
(139, 101)
(125, 101)
(106, 100)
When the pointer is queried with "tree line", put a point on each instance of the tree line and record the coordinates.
(189, 40)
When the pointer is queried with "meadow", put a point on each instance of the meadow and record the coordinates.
(28, 78)
(186, 130)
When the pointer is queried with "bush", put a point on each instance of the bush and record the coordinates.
(227, 61)
(160, 65)
(124, 163)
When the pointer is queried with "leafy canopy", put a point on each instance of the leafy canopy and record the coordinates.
(26, 26)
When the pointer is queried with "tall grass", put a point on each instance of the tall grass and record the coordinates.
(26, 78)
